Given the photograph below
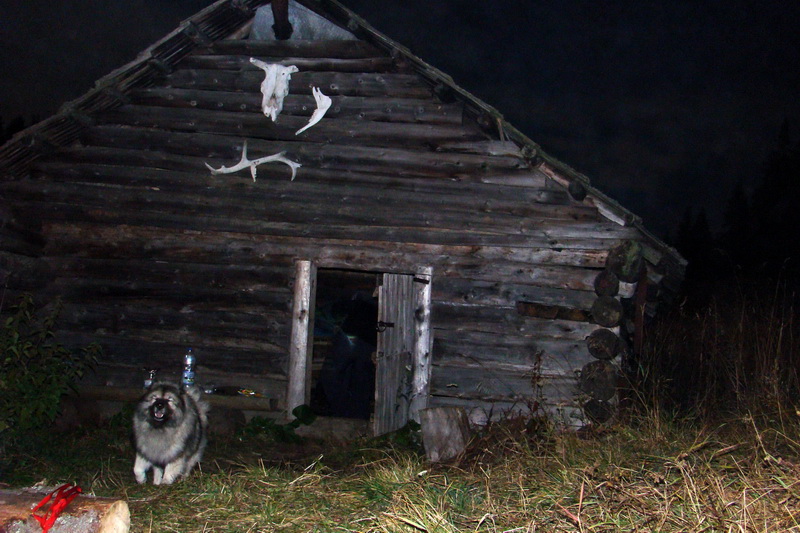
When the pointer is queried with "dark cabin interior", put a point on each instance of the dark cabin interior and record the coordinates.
(345, 338)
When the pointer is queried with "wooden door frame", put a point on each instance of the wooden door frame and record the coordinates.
(298, 390)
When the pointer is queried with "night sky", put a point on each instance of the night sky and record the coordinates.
(664, 105)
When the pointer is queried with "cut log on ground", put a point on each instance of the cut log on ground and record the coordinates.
(84, 514)
(445, 432)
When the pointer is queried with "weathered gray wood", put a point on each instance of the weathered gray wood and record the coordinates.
(104, 218)
(507, 321)
(403, 162)
(551, 357)
(331, 83)
(123, 394)
(423, 342)
(492, 383)
(84, 514)
(551, 312)
(160, 348)
(124, 382)
(347, 107)
(294, 48)
(339, 131)
(466, 292)
(299, 387)
(247, 250)
(212, 319)
(445, 432)
(351, 217)
(238, 62)
(394, 371)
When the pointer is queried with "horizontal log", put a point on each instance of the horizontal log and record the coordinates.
(317, 188)
(481, 413)
(180, 294)
(329, 64)
(272, 272)
(339, 131)
(330, 83)
(143, 353)
(102, 216)
(489, 384)
(380, 160)
(215, 209)
(552, 312)
(550, 357)
(15, 243)
(506, 321)
(264, 385)
(148, 242)
(84, 514)
(483, 148)
(129, 394)
(347, 107)
(468, 292)
(22, 272)
(343, 49)
(254, 324)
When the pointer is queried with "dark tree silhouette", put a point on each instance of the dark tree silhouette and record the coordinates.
(696, 243)
(737, 240)
(776, 210)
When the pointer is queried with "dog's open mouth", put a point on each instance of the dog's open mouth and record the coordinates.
(159, 410)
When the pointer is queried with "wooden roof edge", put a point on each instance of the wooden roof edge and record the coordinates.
(610, 208)
(109, 92)
(607, 206)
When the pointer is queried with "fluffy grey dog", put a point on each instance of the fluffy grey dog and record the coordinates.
(169, 432)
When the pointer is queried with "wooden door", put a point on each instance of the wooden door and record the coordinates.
(402, 370)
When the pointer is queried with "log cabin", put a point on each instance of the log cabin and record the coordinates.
(426, 253)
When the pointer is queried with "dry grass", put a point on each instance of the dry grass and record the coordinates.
(729, 463)
(740, 476)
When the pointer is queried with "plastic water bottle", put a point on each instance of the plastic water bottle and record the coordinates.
(187, 379)
(150, 379)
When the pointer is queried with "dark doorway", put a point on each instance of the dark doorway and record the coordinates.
(345, 336)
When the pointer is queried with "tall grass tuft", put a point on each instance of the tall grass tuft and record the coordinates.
(736, 352)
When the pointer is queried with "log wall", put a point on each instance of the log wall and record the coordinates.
(152, 253)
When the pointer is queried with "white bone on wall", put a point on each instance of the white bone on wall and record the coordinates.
(275, 86)
(253, 164)
(323, 104)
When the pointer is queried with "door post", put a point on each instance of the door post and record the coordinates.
(299, 388)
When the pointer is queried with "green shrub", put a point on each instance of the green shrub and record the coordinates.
(35, 371)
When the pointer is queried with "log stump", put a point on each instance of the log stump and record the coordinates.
(607, 311)
(604, 344)
(445, 432)
(606, 284)
(84, 514)
(599, 380)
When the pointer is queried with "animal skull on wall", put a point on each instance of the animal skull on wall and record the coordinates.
(275, 86)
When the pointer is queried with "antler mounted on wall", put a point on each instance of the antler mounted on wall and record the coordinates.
(253, 164)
